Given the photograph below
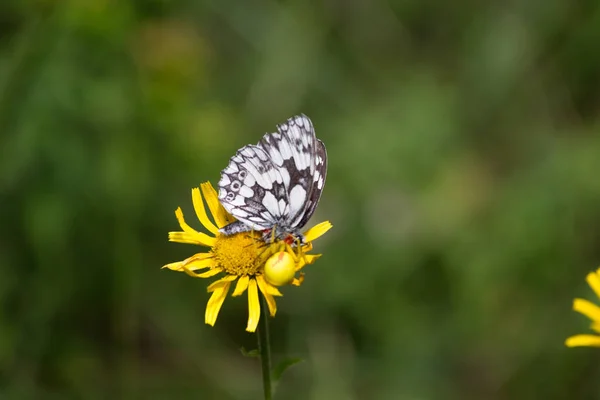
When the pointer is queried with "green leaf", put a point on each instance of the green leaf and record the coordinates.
(249, 353)
(283, 366)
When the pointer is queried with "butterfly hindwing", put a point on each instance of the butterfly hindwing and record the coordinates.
(318, 182)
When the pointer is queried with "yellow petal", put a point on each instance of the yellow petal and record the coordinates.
(587, 308)
(241, 286)
(184, 237)
(207, 274)
(253, 306)
(191, 264)
(262, 284)
(176, 266)
(199, 237)
(593, 279)
(221, 282)
(272, 290)
(180, 218)
(583, 340)
(195, 265)
(201, 212)
(214, 304)
(317, 231)
(198, 256)
(216, 209)
(596, 326)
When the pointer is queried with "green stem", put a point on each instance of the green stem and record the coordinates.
(264, 348)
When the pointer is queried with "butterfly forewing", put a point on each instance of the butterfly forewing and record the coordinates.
(252, 190)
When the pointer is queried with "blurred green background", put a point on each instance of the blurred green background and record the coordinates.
(463, 185)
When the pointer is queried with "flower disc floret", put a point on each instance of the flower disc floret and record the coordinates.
(239, 254)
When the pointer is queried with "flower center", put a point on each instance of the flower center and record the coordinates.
(239, 254)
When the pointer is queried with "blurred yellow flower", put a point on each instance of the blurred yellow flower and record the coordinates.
(591, 311)
(240, 257)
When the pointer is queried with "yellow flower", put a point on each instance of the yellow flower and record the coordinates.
(240, 257)
(591, 311)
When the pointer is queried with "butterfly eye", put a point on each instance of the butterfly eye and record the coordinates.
(235, 186)
(230, 196)
(242, 175)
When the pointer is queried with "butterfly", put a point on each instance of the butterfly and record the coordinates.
(275, 186)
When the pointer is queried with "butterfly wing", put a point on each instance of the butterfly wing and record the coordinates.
(318, 182)
(277, 182)
(251, 189)
(292, 150)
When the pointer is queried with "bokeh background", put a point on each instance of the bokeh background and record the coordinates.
(463, 185)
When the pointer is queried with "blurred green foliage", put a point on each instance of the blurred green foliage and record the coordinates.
(463, 186)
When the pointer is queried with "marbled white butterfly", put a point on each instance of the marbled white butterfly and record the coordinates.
(275, 185)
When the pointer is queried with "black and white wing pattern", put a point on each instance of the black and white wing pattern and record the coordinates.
(252, 190)
(318, 182)
(278, 182)
(292, 150)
